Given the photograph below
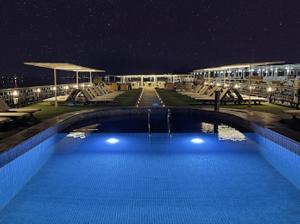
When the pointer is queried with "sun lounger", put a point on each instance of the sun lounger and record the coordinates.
(90, 97)
(197, 89)
(245, 98)
(255, 99)
(14, 114)
(211, 97)
(59, 99)
(106, 92)
(5, 108)
(200, 90)
(4, 120)
(209, 93)
(294, 113)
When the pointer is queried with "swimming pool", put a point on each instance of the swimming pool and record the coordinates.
(94, 174)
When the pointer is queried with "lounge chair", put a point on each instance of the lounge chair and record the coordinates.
(255, 99)
(4, 120)
(200, 90)
(14, 115)
(211, 98)
(197, 89)
(209, 93)
(92, 97)
(5, 108)
(294, 113)
(64, 98)
(60, 99)
(246, 98)
(106, 92)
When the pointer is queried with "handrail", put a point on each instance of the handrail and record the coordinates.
(169, 122)
(149, 122)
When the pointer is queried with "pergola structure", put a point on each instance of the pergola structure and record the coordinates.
(238, 66)
(154, 77)
(270, 70)
(63, 67)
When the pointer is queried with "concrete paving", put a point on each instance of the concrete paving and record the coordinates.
(149, 98)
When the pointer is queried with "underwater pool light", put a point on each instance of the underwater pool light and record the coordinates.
(197, 140)
(112, 140)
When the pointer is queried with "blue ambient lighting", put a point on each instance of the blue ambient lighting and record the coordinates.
(197, 140)
(112, 140)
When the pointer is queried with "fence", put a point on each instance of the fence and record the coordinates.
(28, 95)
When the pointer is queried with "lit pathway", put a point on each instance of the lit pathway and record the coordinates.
(150, 98)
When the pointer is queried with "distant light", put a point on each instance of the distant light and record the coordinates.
(197, 140)
(15, 93)
(38, 90)
(75, 86)
(53, 88)
(112, 141)
(269, 89)
(66, 87)
(82, 85)
(236, 86)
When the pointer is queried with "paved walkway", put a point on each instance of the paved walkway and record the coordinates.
(150, 98)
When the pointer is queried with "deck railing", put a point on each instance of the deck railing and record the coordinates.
(32, 94)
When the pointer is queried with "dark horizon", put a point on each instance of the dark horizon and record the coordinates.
(147, 36)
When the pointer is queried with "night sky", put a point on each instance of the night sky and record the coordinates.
(144, 36)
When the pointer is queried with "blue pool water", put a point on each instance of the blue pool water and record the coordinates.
(131, 178)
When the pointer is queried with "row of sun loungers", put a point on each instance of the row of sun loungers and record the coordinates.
(205, 93)
(98, 94)
(8, 114)
(91, 94)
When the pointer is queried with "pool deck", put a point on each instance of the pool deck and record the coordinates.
(149, 98)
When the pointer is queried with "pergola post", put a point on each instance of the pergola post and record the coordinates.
(55, 87)
(77, 81)
(91, 82)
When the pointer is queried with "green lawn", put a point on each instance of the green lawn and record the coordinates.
(49, 111)
(269, 108)
(129, 98)
(172, 98)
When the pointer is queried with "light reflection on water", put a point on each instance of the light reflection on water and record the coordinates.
(224, 132)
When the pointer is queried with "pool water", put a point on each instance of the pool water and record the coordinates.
(134, 178)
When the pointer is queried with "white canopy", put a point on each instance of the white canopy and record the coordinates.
(65, 67)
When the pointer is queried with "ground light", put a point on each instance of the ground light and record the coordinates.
(112, 140)
(197, 140)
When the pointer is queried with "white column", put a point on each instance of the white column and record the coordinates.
(77, 81)
(91, 82)
(55, 87)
